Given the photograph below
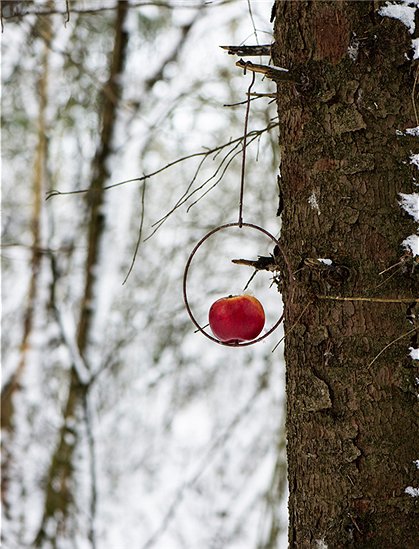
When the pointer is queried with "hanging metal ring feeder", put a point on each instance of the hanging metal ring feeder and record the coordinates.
(240, 224)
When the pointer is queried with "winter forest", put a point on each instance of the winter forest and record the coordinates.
(123, 131)
(173, 441)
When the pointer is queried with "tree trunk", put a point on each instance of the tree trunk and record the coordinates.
(352, 431)
(38, 182)
(59, 494)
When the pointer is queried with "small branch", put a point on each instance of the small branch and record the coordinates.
(255, 272)
(391, 267)
(253, 96)
(140, 233)
(256, 95)
(217, 175)
(91, 11)
(371, 299)
(248, 51)
(67, 12)
(206, 153)
(414, 95)
(278, 74)
(263, 263)
(391, 343)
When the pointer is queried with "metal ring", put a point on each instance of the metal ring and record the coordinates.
(185, 279)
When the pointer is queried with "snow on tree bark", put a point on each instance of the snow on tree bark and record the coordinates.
(350, 424)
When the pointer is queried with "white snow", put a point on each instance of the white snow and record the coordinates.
(325, 261)
(321, 544)
(410, 131)
(411, 491)
(414, 159)
(411, 243)
(416, 462)
(402, 12)
(410, 203)
(414, 353)
(312, 200)
(353, 48)
(405, 12)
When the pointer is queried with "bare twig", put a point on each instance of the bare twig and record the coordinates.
(215, 183)
(414, 96)
(89, 11)
(392, 343)
(248, 51)
(274, 73)
(371, 299)
(255, 32)
(67, 12)
(208, 152)
(250, 280)
(391, 267)
(387, 279)
(140, 233)
(223, 166)
(255, 96)
(187, 195)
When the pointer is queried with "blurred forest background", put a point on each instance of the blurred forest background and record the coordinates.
(122, 427)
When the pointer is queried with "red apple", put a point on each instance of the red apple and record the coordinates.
(236, 318)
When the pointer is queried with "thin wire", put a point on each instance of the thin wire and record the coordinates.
(185, 284)
(246, 122)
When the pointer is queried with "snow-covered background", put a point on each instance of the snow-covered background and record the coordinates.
(187, 436)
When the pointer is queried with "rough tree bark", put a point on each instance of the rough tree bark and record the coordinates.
(351, 425)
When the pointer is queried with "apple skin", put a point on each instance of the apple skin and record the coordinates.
(236, 318)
